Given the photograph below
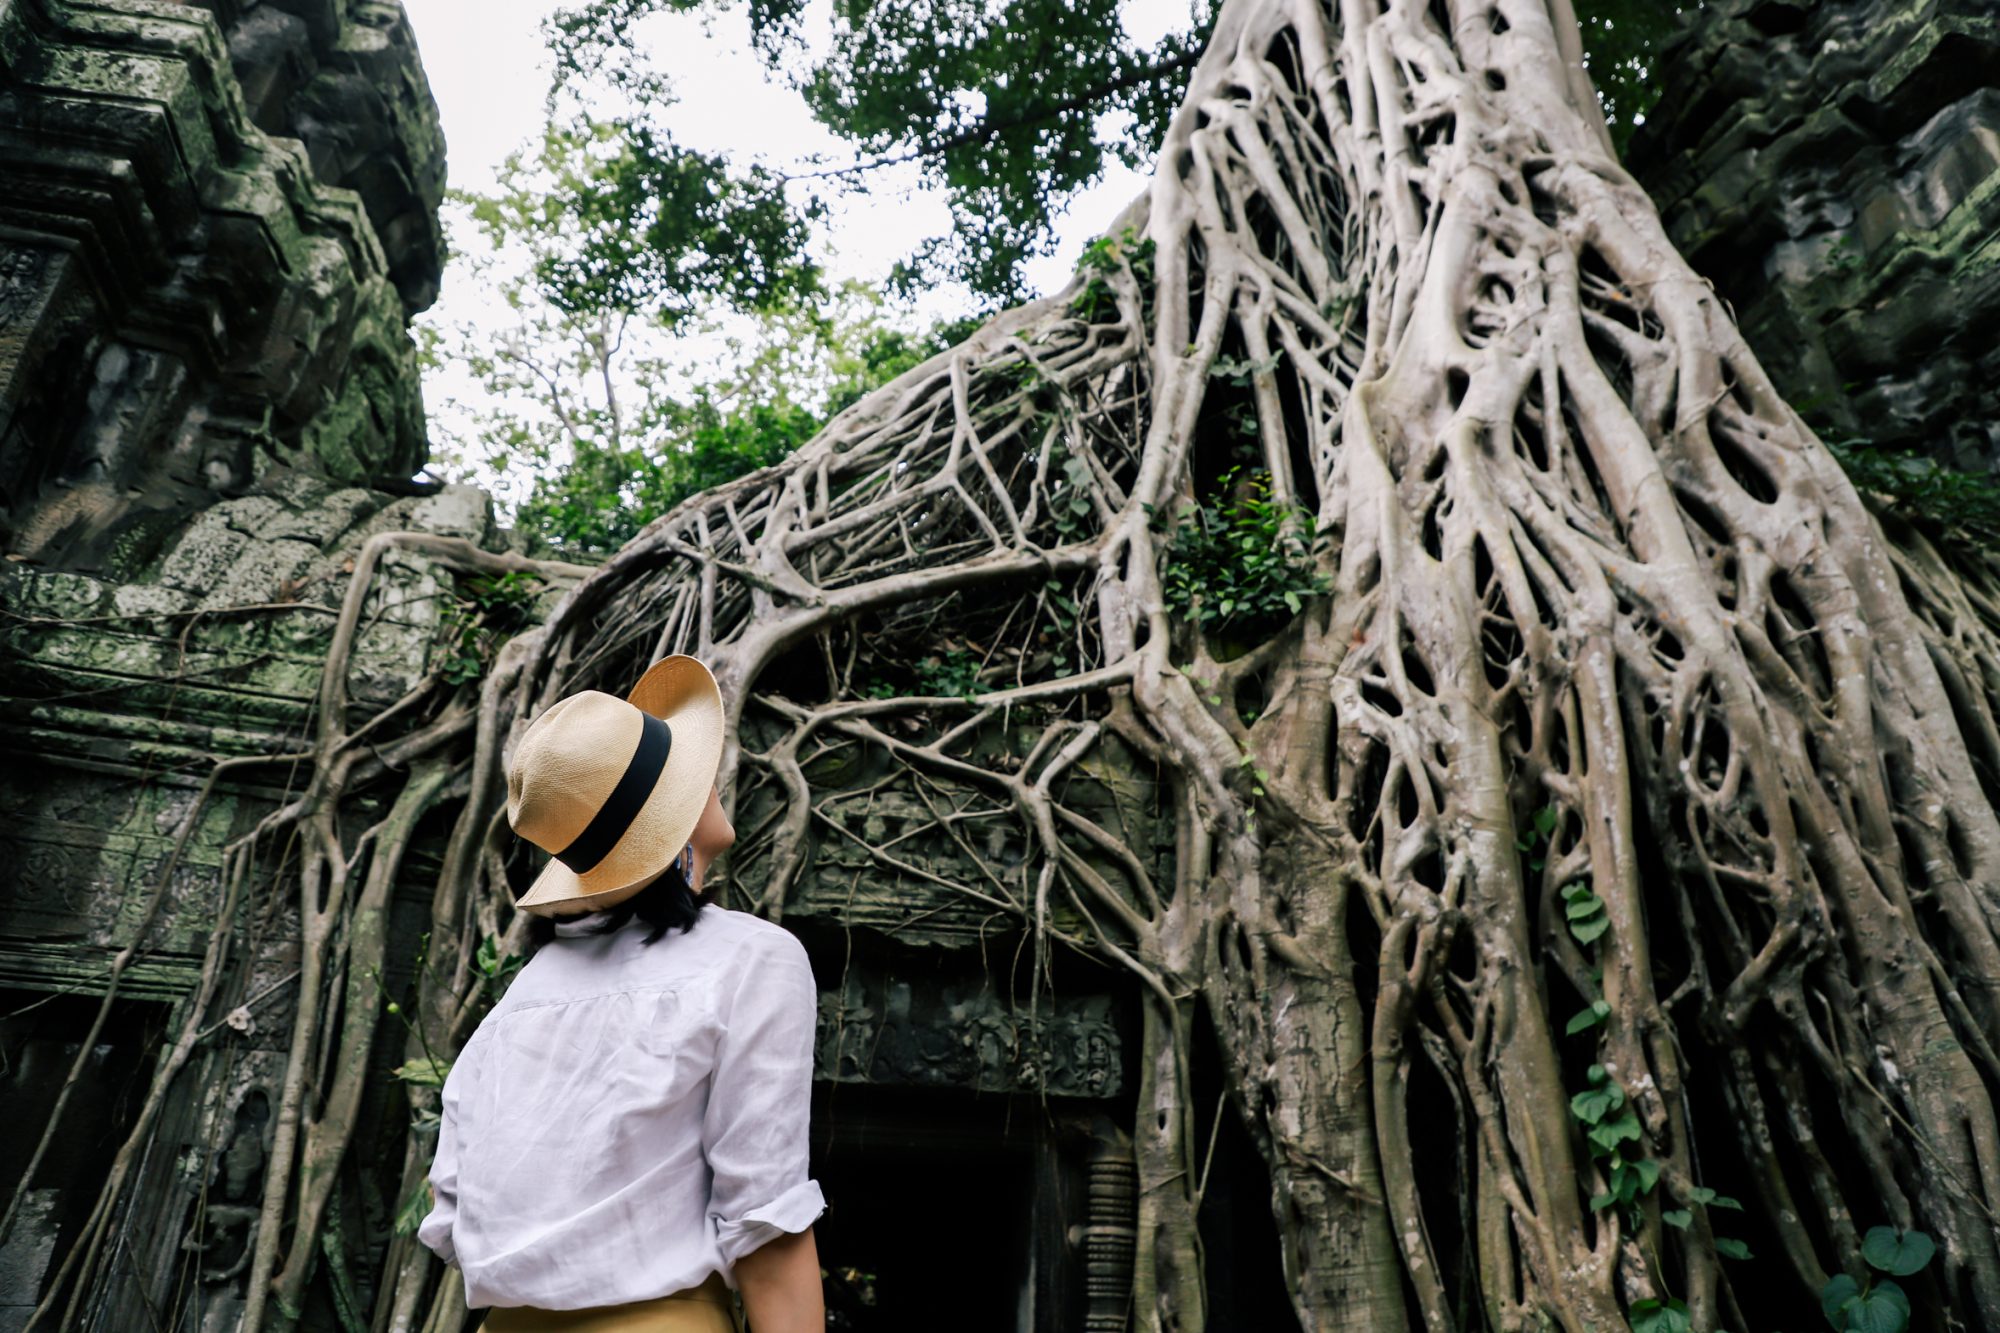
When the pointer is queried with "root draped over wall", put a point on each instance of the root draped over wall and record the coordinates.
(1624, 752)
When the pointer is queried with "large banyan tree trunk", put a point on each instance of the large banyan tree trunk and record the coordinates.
(1609, 639)
(1610, 834)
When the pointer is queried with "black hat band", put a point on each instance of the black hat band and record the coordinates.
(627, 799)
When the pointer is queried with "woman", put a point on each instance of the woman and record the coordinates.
(623, 1141)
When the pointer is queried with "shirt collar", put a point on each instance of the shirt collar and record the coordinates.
(580, 925)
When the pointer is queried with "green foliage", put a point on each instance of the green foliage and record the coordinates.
(613, 252)
(1532, 843)
(1072, 495)
(1954, 505)
(1062, 610)
(424, 1072)
(1245, 565)
(604, 495)
(1877, 1308)
(1101, 260)
(954, 673)
(496, 972)
(1877, 1304)
(1656, 1316)
(1613, 1133)
(1239, 373)
(1898, 1253)
(414, 1208)
(485, 611)
(619, 219)
(1585, 912)
(1621, 46)
(1593, 1015)
(591, 426)
(1599, 1100)
(1010, 109)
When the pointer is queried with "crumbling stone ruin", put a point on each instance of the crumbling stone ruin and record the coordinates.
(1834, 169)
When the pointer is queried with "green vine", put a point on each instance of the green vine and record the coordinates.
(1873, 1303)
(1603, 1109)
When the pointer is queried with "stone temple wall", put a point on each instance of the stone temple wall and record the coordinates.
(215, 225)
(216, 221)
(1833, 166)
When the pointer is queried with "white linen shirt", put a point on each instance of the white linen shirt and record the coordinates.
(630, 1117)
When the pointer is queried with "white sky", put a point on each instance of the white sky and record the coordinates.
(488, 69)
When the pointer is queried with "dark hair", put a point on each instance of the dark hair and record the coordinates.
(664, 904)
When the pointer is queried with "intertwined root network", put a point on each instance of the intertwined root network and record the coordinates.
(1620, 752)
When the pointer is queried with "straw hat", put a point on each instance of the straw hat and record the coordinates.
(612, 788)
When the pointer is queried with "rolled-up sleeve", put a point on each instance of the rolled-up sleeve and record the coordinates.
(435, 1230)
(756, 1125)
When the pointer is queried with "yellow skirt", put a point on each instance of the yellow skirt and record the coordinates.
(708, 1308)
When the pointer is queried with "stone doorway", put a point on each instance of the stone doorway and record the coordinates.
(40, 1037)
(974, 1213)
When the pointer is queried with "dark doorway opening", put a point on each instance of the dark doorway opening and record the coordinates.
(930, 1221)
(40, 1038)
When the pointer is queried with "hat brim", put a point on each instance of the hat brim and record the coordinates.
(681, 692)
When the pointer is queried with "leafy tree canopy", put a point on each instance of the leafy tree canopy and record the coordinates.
(611, 390)
(616, 219)
(1010, 107)
(1622, 40)
(616, 238)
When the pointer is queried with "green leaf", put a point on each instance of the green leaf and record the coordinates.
(1593, 1105)
(1668, 1316)
(410, 1214)
(1545, 820)
(1589, 1018)
(1731, 1249)
(1898, 1252)
(1588, 932)
(1621, 1128)
(1588, 905)
(1883, 1308)
(1703, 1195)
(1679, 1218)
(425, 1072)
(1836, 1296)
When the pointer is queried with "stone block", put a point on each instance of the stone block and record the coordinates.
(1834, 169)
